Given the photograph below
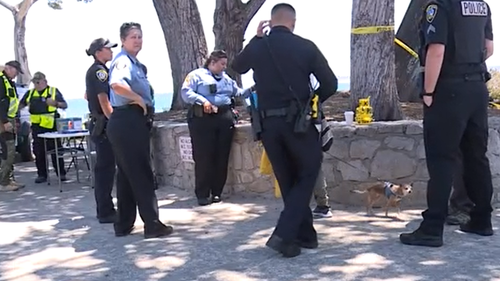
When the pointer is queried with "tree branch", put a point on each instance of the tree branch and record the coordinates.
(251, 8)
(24, 7)
(7, 6)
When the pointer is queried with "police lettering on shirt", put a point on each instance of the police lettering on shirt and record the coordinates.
(474, 8)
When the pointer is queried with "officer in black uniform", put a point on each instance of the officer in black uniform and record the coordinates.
(282, 63)
(457, 38)
(97, 84)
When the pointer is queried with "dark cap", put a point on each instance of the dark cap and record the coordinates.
(38, 76)
(98, 44)
(15, 64)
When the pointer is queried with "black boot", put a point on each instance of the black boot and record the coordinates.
(420, 238)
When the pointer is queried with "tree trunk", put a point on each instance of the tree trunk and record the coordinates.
(185, 39)
(231, 19)
(20, 12)
(407, 66)
(373, 59)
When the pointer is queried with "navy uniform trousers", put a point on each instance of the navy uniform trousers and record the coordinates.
(104, 174)
(457, 121)
(296, 161)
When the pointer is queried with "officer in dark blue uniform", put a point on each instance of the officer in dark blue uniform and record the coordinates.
(457, 38)
(96, 81)
(282, 63)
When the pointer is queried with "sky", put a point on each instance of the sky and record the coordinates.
(56, 39)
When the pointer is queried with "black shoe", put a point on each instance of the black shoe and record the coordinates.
(204, 201)
(471, 228)
(123, 232)
(156, 230)
(457, 218)
(64, 178)
(40, 179)
(287, 249)
(216, 199)
(308, 244)
(419, 238)
(107, 219)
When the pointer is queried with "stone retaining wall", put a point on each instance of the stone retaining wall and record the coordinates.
(360, 155)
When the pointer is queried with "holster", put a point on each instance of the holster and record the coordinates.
(256, 120)
(303, 119)
(151, 117)
(100, 122)
(197, 110)
(487, 76)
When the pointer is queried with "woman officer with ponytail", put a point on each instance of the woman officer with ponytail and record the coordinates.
(211, 122)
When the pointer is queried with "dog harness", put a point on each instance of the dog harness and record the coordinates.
(388, 191)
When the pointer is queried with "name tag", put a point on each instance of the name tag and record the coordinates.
(474, 9)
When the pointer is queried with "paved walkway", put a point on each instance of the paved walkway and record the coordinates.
(47, 235)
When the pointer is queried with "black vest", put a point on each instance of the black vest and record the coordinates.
(465, 51)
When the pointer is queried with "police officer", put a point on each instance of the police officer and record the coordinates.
(211, 124)
(9, 104)
(96, 81)
(282, 63)
(128, 131)
(43, 102)
(457, 38)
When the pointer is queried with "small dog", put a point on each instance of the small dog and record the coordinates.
(393, 192)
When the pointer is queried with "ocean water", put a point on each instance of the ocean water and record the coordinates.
(79, 107)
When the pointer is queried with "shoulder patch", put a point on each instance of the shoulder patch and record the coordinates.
(474, 8)
(430, 12)
(122, 63)
(102, 75)
(188, 79)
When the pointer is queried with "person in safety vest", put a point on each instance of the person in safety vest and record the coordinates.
(9, 104)
(456, 39)
(43, 102)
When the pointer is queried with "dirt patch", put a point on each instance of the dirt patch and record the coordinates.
(333, 108)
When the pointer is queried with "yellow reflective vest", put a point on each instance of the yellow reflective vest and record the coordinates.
(45, 120)
(11, 93)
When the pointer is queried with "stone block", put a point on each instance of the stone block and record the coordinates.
(342, 131)
(415, 128)
(339, 149)
(421, 150)
(494, 142)
(389, 165)
(394, 127)
(422, 172)
(397, 142)
(353, 170)
(368, 130)
(363, 148)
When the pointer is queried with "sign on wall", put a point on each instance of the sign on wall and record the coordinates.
(185, 149)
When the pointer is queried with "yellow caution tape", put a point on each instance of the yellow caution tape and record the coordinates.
(494, 105)
(371, 29)
(406, 48)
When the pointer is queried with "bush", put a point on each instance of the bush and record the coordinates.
(494, 85)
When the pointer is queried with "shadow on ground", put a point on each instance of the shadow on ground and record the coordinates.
(48, 235)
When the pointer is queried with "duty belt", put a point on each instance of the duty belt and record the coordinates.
(288, 112)
(465, 77)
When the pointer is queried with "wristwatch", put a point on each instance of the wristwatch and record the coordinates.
(426, 94)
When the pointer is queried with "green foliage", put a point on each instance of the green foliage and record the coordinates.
(494, 85)
(57, 4)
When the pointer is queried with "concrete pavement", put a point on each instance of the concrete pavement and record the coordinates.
(47, 235)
